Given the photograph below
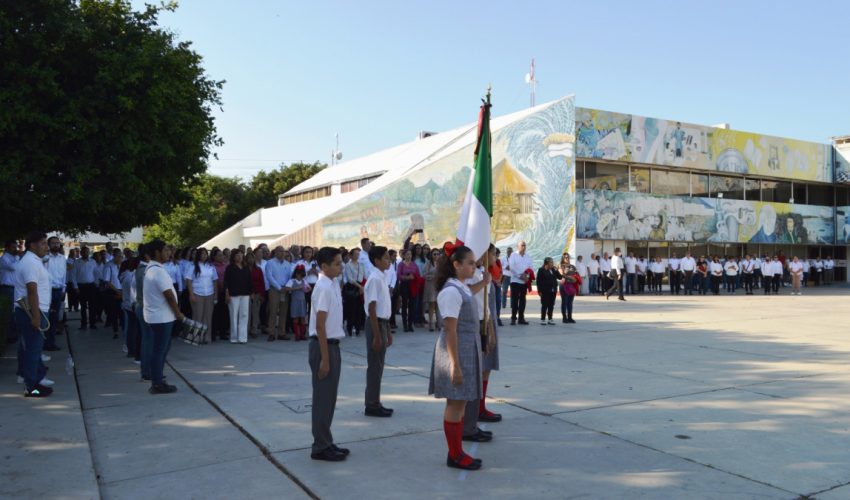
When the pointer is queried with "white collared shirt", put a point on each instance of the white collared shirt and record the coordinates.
(581, 267)
(57, 267)
(593, 267)
(731, 268)
(31, 269)
(390, 276)
(519, 264)
(641, 266)
(631, 262)
(605, 265)
(449, 299)
(176, 274)
(476, 278)
(110, 275)
(365, 263)
(716, 269)
(377, 291)
(688, 264)
(203, 283)
(156, 283)
(795, 267)
(617, 264)
(308, 266)
(327, 298)
(776, 267)
(675, 264)
(8, 263)
(128, 290)
(747, 266)
(829, 264)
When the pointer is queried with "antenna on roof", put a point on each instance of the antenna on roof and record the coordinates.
(531, 81)
(336, 154)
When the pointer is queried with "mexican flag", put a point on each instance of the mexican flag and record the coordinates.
(474, 228)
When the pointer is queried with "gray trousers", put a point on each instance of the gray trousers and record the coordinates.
(324, 394)
(470, 418)
(375, 370)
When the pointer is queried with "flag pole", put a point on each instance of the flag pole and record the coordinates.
(487, 252)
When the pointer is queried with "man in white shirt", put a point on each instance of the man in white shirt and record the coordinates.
(605, 272)
(796, 269)
(520, 264)
(391, 277)
(757, 276)
(8, 261)
(748, 270)
(86, 286)
(581, 269)
(641, 267)
(57, 267)
(730, 268)
(829, 270)
(32, 287)
(806, 269)
(617, 268)
(363, 258)
(325, 361)
(593, 273)
(817, 268)
(112, 294)
(675, 274)
(506, 272)
(377, 304)
(631, 272)
(160, 311)
(688, 265)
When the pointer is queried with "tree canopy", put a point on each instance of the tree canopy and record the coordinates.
(105, 118)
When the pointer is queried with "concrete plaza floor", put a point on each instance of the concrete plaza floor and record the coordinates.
(656, 397)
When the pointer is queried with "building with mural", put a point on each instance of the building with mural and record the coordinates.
(583, 180)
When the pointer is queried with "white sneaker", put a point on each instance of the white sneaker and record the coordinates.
(20, 379)
(46, 382)
(45, 358)
(124, 348)
(137, 361)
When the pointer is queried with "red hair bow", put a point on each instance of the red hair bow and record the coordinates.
(449, 248)
(299, 266)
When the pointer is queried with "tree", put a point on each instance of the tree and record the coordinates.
(266, 187)
(215, 203)
(104, 116)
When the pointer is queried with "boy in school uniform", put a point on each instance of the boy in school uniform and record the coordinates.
(378, 307)
(325, 362)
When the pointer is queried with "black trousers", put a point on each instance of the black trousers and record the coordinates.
(407, 306)
(324, 394)
(777, 281)
(88, 292)
(73, 297)
(767, 282)
(689, 282)
(518, 291)
(547, 304)
(675, 282)
(617, 287)
(715, 284)
(748, 282)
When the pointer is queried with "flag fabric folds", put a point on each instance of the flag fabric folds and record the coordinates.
(474, 227)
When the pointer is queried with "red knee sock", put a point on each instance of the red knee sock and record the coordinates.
(481, 407)
(454, 438)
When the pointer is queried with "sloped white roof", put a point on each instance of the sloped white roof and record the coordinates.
(269, 225)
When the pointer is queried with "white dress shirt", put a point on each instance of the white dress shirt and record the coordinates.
(476, 278)
(377, 291)
(57, 267)
(731, 268)
(688, 264)
(675, 264)
(617, 264)
(327, 297)
(631, 263)
(365, 263)
(31, 270)
(279, 272)
(519, 264)
(716, 269)
(176, 274)
(593, 267)
(203, 283)
(110, 275)
(84, 272)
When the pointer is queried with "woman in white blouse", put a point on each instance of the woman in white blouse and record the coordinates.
(202, 283)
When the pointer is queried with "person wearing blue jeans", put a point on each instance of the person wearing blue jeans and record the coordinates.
(159, 312)
(146, 343)
(32, 287)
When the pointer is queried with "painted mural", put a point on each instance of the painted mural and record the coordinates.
(623, 137)
(842, 164)
(615, 215)
(533, 192)
(842, 225)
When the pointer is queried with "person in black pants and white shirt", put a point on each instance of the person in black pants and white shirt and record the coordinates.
(325, 361)
(688, 265)
(32, 285)
(617, 268)
(519, 264)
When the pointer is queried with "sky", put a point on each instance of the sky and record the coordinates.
(379, 72)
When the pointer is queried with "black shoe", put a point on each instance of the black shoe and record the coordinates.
(489, 416)
(622, 298)
(479, 437)
(475, 464)
(570, 320)
(564, 320)
(162, 389)
(378, 412)
(513, 322)
(83, 327)
(499, 322)
(114, 336)
(387, 409)
(344, 451)
(39, 391)
(329, 455)
(523, 322)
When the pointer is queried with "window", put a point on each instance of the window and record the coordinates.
(775, 191)
(306, 195)
(579, 175)
(639, 180)
(732, 188)
(799, 190)
(699, 186)
(751, 190)
(842, 196)
(349, 186)
(606, 177)
(820, 194)
(671, 182)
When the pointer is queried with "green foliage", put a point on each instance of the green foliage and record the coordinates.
(104, 116)
(266, 187)
(216, 203)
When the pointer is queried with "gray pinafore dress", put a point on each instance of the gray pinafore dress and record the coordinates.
(468, 352)
(298, 300)
(490, 360)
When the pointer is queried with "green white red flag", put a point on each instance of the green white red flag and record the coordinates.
(474, 228)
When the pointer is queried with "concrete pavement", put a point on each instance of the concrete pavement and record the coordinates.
(656, 397)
